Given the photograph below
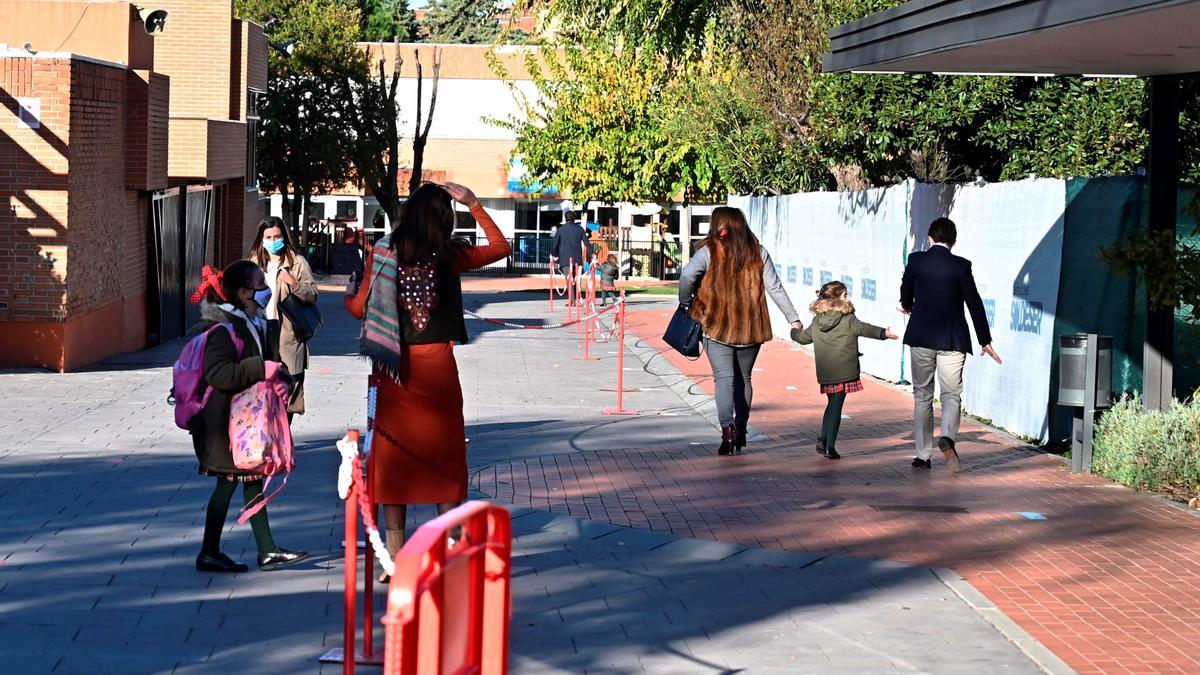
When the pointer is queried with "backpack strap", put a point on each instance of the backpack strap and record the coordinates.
(238, 344)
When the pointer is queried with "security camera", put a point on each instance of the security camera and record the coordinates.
(155, 20)
(29, 48)
(285, 48)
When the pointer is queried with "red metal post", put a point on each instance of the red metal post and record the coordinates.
(620, 409)
(369, 571)
(350, 600)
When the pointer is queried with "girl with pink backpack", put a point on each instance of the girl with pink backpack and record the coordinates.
(239, 360)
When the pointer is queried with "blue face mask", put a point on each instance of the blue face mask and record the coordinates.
(263, 297)
(274, 247)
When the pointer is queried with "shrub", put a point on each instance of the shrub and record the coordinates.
(1157, 451)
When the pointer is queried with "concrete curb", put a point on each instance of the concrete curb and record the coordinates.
(1036, 651)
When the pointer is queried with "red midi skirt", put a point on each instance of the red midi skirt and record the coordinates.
(419, 450)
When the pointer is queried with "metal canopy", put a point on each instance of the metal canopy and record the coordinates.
(1060, 37)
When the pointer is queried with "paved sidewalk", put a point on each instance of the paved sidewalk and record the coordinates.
(101, 511)
(1104, 577)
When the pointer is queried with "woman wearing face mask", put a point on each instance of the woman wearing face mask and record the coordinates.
(287, 273)
(235, 296)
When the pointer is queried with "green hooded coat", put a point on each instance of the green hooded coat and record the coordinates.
(834, 335)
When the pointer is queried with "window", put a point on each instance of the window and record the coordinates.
(347, 209)
(252, 103)
(538, 216)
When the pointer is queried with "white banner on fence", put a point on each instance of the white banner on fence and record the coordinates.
(1012, 232)
(858, 238)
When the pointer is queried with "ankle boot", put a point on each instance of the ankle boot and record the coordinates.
(728, 436)
(739, 441)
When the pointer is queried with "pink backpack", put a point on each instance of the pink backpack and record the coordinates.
(260, 437)
(188, 392)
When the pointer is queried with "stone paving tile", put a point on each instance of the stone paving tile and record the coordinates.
(1107, 579)
(100, 518)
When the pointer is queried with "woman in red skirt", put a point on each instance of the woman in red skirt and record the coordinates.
(412, 311)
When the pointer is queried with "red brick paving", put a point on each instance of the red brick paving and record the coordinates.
(1108, 581)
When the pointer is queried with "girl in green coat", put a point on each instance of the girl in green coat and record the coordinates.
(834, 335)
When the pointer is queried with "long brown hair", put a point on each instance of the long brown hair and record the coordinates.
(731, 301)
(729, 230)
(425, 231)
(259, 254)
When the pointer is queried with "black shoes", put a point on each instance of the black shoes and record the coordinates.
(919, 463)
(280, 558)
(831, 453)
(728, 438)
(218, 563)
(946, 445)
(739, 439)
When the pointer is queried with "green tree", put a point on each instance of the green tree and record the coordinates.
(462, 21)
(304, 129)
(384, 20)
(596, 131)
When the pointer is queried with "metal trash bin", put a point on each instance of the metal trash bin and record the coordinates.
(1072, 371)
(1085, 385)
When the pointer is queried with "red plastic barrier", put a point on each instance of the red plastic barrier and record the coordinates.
(449, 605)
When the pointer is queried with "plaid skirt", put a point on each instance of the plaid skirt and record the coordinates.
(842, 387)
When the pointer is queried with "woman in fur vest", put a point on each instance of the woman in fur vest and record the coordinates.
(834, 335)
(724, 287)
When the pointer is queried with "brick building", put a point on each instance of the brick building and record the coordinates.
(123, 169)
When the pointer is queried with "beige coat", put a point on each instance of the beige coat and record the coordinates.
(292, 352)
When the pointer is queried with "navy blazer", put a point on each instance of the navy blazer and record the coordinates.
(936, 285)
(568, 244)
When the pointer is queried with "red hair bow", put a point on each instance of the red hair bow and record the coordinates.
(209, 279)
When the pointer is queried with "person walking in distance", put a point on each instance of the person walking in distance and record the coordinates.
(724, 288)
(936, 286)
(568, 247)
(411, 305)
(287, 274)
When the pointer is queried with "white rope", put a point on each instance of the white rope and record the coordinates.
(349, 450)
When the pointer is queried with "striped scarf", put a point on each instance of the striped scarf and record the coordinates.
(381, 332)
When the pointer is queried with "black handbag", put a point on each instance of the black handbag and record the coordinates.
(305, 318)
(684, 333)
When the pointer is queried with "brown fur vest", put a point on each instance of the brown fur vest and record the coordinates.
(731, 304)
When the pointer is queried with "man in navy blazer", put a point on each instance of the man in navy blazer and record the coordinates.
(937, 284)
(568, 246)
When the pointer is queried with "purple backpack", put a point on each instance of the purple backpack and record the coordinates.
(188, 392)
